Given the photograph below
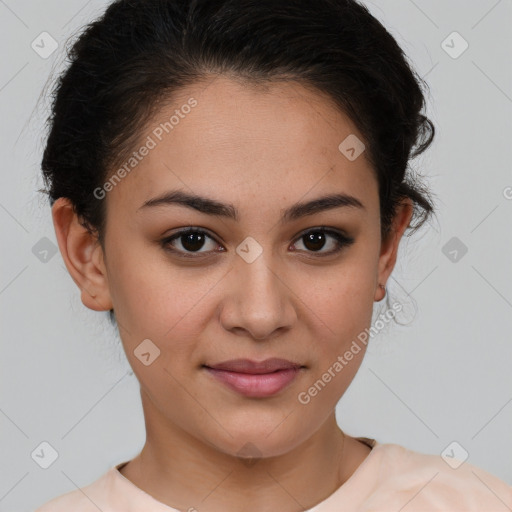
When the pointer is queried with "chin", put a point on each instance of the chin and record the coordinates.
(256, 442)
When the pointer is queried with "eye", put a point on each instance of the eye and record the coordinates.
(316, 239)
(191, 240)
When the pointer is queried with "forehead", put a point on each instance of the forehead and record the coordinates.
(274, 142)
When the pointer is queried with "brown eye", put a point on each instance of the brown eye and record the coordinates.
(188, 243)
(190, 240)
(315, 240)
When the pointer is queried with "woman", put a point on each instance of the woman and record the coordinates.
(229, 179)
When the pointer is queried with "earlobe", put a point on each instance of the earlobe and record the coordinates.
(82, 255)
(389, 246)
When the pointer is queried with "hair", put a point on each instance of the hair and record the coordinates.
(140, 53)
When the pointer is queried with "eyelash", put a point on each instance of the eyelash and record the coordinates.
(343, 241)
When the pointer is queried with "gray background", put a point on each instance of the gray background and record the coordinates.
(444, 377)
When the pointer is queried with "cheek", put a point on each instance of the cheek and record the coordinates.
(340, 303)
(343, 317)
(153, 299)
(343, 297)
(343, 312)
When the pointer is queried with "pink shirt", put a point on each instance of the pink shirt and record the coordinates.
(390, 479)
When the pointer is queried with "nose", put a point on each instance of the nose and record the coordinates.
(259, 301)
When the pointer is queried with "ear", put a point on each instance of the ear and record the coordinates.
(389, 245)
(83, 256)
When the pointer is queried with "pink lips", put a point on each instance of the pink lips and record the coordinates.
(255, 379)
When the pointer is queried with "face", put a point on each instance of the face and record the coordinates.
(257, 285)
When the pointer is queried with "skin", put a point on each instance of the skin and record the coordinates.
(261, 149)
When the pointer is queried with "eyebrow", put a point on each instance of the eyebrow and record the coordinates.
(215, 208)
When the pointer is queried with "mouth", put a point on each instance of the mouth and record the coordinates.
(255, 367)
(255, 379)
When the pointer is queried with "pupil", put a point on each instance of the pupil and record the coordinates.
(317, 239)
(189, 244)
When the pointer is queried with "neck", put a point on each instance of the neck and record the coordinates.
(185, 472)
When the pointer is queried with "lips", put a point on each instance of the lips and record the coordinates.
(255, 367)
(255, 379)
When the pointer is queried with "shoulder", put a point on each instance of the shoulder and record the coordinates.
(431, 482)
(86, 499)
(73, 500)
